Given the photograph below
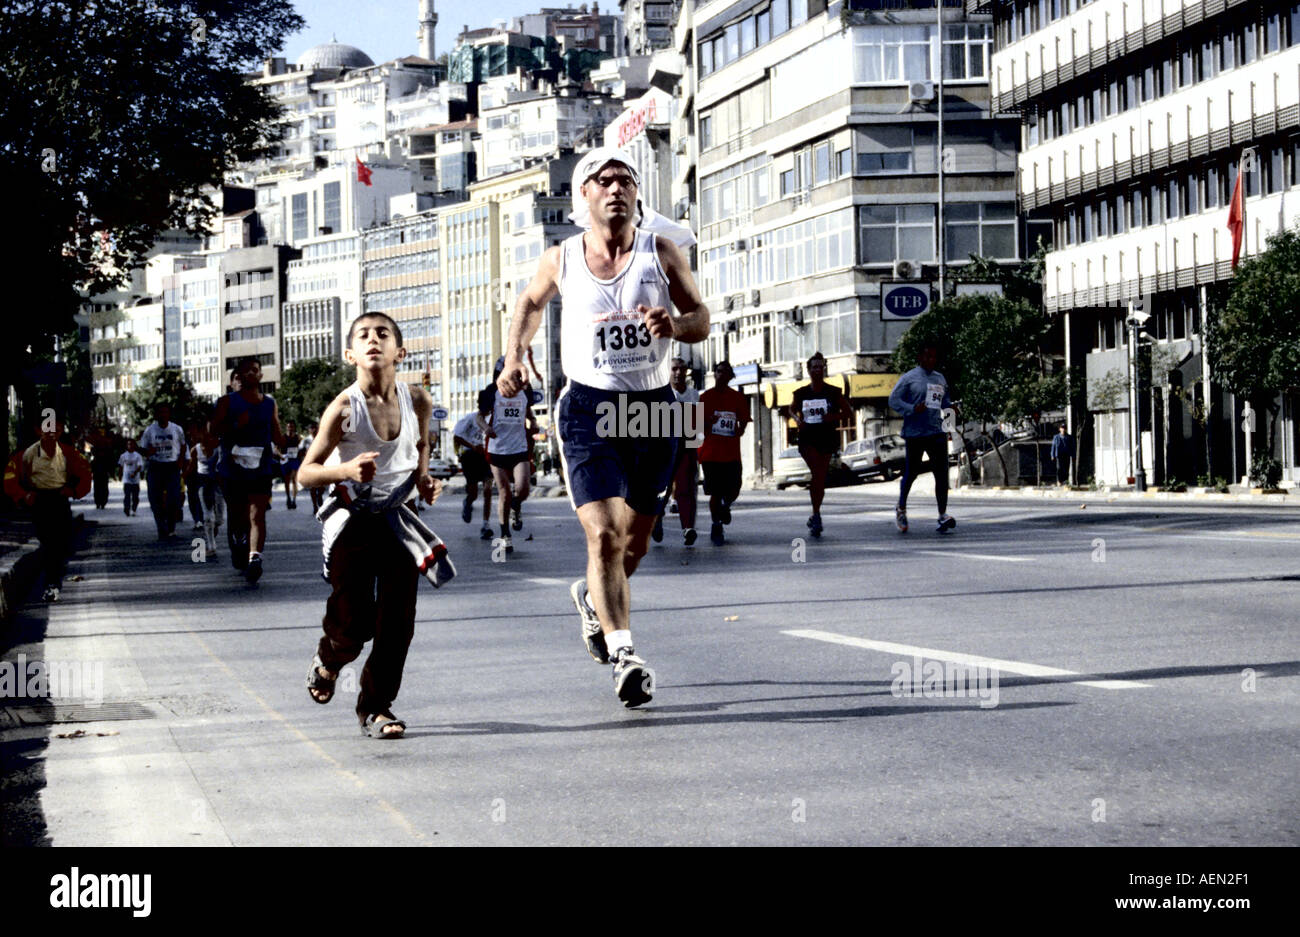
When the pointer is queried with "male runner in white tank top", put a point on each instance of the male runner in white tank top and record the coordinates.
(615, 339)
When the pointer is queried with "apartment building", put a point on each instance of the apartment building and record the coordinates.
(1137, 115)
(809, 155)
(322, 296)
(401, 277)
(252, 293)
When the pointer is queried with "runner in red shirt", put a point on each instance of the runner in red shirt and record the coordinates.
(726, 414)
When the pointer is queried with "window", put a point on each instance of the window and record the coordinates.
(966, 50)
(822, 164)
(870, 164)
(780, 16)
(748, 38)
(844, 162)
(333, 218)
(706, 132)
(891, 54)
(893, 232)
(764, 23)
(299, 215)
(706, 58)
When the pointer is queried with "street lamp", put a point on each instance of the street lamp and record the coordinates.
(1136, 319)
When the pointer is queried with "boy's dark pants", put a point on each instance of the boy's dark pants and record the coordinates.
(375, 581)
(53, 519)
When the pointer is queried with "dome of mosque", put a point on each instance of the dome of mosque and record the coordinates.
(334, 55)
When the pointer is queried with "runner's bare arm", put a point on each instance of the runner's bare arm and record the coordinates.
(692, 322)
(276, 433)
(429, 488)
(528, 316)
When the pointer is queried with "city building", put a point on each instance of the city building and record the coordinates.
(322, 295)
(519, 125)
(1136, 116)
(813, 135)
(470, 275)
(195, 293)
(402, 278)
(647, 25)
(252, 293)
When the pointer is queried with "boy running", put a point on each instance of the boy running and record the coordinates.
(375, 436)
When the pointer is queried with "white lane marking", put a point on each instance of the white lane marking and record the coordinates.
(544, 581)
(970, 660)
(957, 553)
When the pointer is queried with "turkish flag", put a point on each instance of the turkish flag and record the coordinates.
(1237, 217)
(363, 172)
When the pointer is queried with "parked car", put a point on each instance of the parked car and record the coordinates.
(790, 469)
(442, 468)
(880, 456)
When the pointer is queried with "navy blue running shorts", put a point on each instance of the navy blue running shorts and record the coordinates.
(599, 462)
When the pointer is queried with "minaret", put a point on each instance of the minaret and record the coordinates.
(428, 20)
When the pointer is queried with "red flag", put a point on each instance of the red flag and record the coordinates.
(363, 172)
(1237, 217)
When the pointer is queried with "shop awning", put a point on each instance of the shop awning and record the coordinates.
(855, 385)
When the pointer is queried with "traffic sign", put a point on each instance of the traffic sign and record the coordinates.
(536, 396)
(903, 300)
(441, 413)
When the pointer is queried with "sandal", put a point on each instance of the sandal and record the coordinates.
(374, 729)
(319, 683)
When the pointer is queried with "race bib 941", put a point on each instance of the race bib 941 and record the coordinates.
(934, 396)
(621, 342)
(724, 423)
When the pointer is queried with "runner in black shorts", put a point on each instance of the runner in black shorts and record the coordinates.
(818, 408)
(247, 422)
(616, 335)
(469, 437)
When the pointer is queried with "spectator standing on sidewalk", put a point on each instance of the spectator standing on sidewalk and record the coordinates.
(50, 473)
(1062, 454)
(102, 460)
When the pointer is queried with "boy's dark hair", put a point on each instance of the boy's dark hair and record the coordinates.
(816, 356)
(244, 363)
(397, 331)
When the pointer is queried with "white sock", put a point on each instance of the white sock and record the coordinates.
(617, 640)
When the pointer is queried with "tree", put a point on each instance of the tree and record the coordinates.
(118, 118)
(1254, 342)
(307, 388)
(169, 386)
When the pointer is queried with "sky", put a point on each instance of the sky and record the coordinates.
(386, 29)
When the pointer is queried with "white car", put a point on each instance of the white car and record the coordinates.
(442, 468)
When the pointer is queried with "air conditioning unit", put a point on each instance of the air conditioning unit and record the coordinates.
(739, 245)
(920, 92)
(796, 315)
(907, 269)
(680, 148)
(754, 297)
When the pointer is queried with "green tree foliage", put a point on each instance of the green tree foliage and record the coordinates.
(992, 351)
(117, 117)
(1254, 342)
(169, 386)
(307, 388)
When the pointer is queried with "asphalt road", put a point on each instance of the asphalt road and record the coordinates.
(1141, 673)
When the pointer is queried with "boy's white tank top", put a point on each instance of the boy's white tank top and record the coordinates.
(398, 457)
(603, 343)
